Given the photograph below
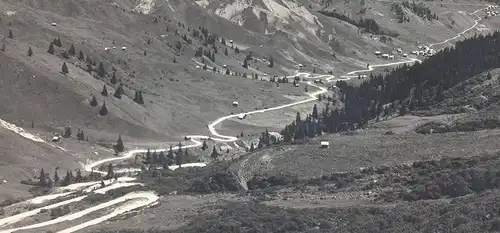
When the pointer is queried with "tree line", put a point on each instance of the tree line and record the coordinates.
(369, 25)
(407, 88)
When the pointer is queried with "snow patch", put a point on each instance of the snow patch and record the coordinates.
(19, 131)
(10, 13)
(145, 6)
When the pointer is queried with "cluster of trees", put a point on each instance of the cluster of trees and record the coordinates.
(368, 25)
(406, 88)
(421, 10)
(265, 140)
(400, 13)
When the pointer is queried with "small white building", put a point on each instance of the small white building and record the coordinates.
(378, 53)
(235, 103)
(124, 48)
(242, 116)
(106, 49)
(56, 139)
(385, 55)
(399, 50)
(391, 57)
(405, 55)
(54, 24)
(325, 144)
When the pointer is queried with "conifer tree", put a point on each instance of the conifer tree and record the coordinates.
(81, 57)
(72, 50)
(93, 102)
(79, 177)
(110, 174)
(214, 69)
(80, 135)
(315, 112)
(119, 147)
(214, 154)
(42, 178)
(212, 58)
(30, 52)
(101, 72)
(104, 110)
(227, 72)
(271, 62)
(236, 50)
(252, 147)
(57, 42)
(170, 156)
(118, 92)
(3, 47)
(204, 146)
(64, 69)
(67, 132)
(11, 36)
(225, 51)
(205, 67)
(245, 64)
(174, 61)
(114, 80)
(51, 48)
(56, 177)
(104, 91)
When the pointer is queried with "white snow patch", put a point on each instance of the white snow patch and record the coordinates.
(10, 13)
(173, 167)
(145, 6)
(300, 11)
(19, 131)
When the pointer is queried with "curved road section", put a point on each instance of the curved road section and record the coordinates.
(137, 200)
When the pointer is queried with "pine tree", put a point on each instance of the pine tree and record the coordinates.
(114, 80)
(205, 67)
(315, 112)
(214, 154)
(67, 132)
(225, 52)
(101, 72)
(236, 50)
(80, 135)
(179, 159)
(104, 91)
(204, 146)
(64, 69)
(252, 147)
(245, 64)
(65, 54)
(51, 48)
(118, 92)
(175, 61)
(93, 102)
(103, 111)
(79, 177)
(170, 156)
(81, 57)
(119, 147)
(11, 36)
(110, 174)
(56, 177)
(227, 72)
(271, 62)
(214, 69)
(212, 58)
(32, 124)
(3, 47)
(42, 178)
(138, 97)
(30, 52)
(72, 50)
(57, 42)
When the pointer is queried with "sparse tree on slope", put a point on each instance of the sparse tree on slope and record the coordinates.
(104, 110)
(57, 42)
(174, 61)
(81, 57)
(271, 62)
(118, 92)
(204, 146)
(11, 36)
(64, 69)
(56, 177)
(43, 178)
(215, 153)
(227, 72)
(138, 97)
(236, 50)
(51, 48)
(104, 91)
(93, 102)
(80, 135)
(110, 174)
(30, 52)
(3, 47)
(72, 50)
(114, 80)
(225, 51)
(245, 64)
(315, 112)
(119, 147)
(67, 132)
(101, 72)
(79, 177)
(170, 156)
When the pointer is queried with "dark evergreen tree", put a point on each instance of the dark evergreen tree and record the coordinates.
(80, 135)
(42, 178)
(57, 42)
(104, 91)
(81, 57)
(51, 48)
(174, 61)
(64, 69)
(215, 154)
(118, 92)
(170, 156)
(315, 112)
(104, 110)
(204, 146)
(3, 47)
(114, 80)
(30, 52)
(138, 97)
(236, 50)
(79, 177)
(227, 72)
(110, 174)
(67, 132)
(271, 62)
(93, 102)
(252, 147)
(225, 52)
(101, 72)
(11, 36)
(245, 64)
(119, 147)
(56, 177)
(72, 50)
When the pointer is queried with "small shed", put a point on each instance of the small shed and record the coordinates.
(378, 53)
(242, 116)
(296, 84)
(235, 103)
(56, 139)
(325, 144)
(54, 24)
(124, 48)
(385, 55)
(106, 49)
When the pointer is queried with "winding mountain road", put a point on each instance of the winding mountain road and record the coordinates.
(136, 200)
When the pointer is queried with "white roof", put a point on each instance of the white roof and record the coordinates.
(124, 47)
(235, 102)
(325, 143)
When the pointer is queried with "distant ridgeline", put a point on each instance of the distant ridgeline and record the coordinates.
(405, 88)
